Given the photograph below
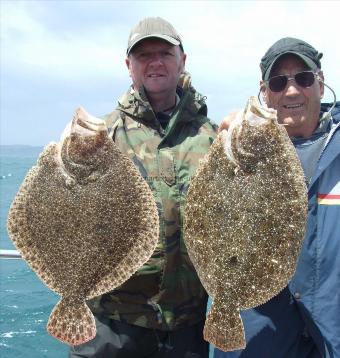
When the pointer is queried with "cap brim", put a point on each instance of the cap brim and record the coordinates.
(311, 65)
(166, 38)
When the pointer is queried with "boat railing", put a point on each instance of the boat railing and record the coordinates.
(10, 254)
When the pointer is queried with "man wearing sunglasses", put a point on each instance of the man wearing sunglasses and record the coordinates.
(304, 319)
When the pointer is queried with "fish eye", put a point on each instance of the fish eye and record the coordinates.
(233, 260)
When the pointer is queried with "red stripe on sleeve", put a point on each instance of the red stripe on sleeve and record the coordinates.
(328, 196)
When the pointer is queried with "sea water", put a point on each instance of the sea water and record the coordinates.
(25, 302)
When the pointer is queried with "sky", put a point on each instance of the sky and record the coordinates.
(58, 55)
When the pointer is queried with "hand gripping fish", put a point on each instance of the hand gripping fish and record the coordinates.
(245, 220)
(85, 220)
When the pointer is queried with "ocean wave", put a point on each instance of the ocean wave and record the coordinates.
(5, 176)
(13, 333)
(11, 306)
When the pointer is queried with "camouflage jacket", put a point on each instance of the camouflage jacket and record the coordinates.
(165, 293)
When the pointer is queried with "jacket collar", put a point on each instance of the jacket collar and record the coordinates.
(136, 105)
(325, 107)
(332, 142)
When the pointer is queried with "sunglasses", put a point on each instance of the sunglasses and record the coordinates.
(303, 79)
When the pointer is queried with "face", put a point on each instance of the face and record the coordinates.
(156, 65)
(296, 106)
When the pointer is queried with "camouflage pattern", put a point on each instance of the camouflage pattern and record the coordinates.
(165, 293)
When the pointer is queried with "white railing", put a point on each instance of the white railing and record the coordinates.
(9, 254)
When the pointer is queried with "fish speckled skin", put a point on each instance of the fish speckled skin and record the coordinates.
(245, 220)
(84, 220)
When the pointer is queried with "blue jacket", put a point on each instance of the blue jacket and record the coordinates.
(304, 319)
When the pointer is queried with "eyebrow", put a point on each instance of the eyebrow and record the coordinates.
(279, 72)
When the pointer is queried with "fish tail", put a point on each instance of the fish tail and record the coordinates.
(72, 322)
(224, 328)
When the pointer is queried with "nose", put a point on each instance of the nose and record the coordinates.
(156, 59)
(292, 88)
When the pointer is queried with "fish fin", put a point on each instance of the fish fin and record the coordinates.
(224, 328)
(72, 323)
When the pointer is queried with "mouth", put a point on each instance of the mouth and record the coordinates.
(155, 75)
(293, 106)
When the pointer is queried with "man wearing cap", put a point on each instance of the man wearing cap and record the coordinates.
(161, 124)
(304, 319)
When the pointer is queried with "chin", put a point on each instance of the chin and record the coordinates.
(155, 89)
(293, 119)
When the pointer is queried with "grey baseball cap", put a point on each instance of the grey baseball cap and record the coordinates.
(307, 53)
(153, 27)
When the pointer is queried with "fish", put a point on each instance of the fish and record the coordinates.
(245, 220)
(85, 220)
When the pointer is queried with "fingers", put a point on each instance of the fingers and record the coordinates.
(227, 120)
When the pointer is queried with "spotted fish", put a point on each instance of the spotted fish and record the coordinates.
(85, 220)
(245, 220)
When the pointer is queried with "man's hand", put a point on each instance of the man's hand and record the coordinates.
(227, 120)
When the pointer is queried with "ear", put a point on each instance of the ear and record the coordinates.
(127, 62)
(321, 80)
(183, 59)
(263, 91)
